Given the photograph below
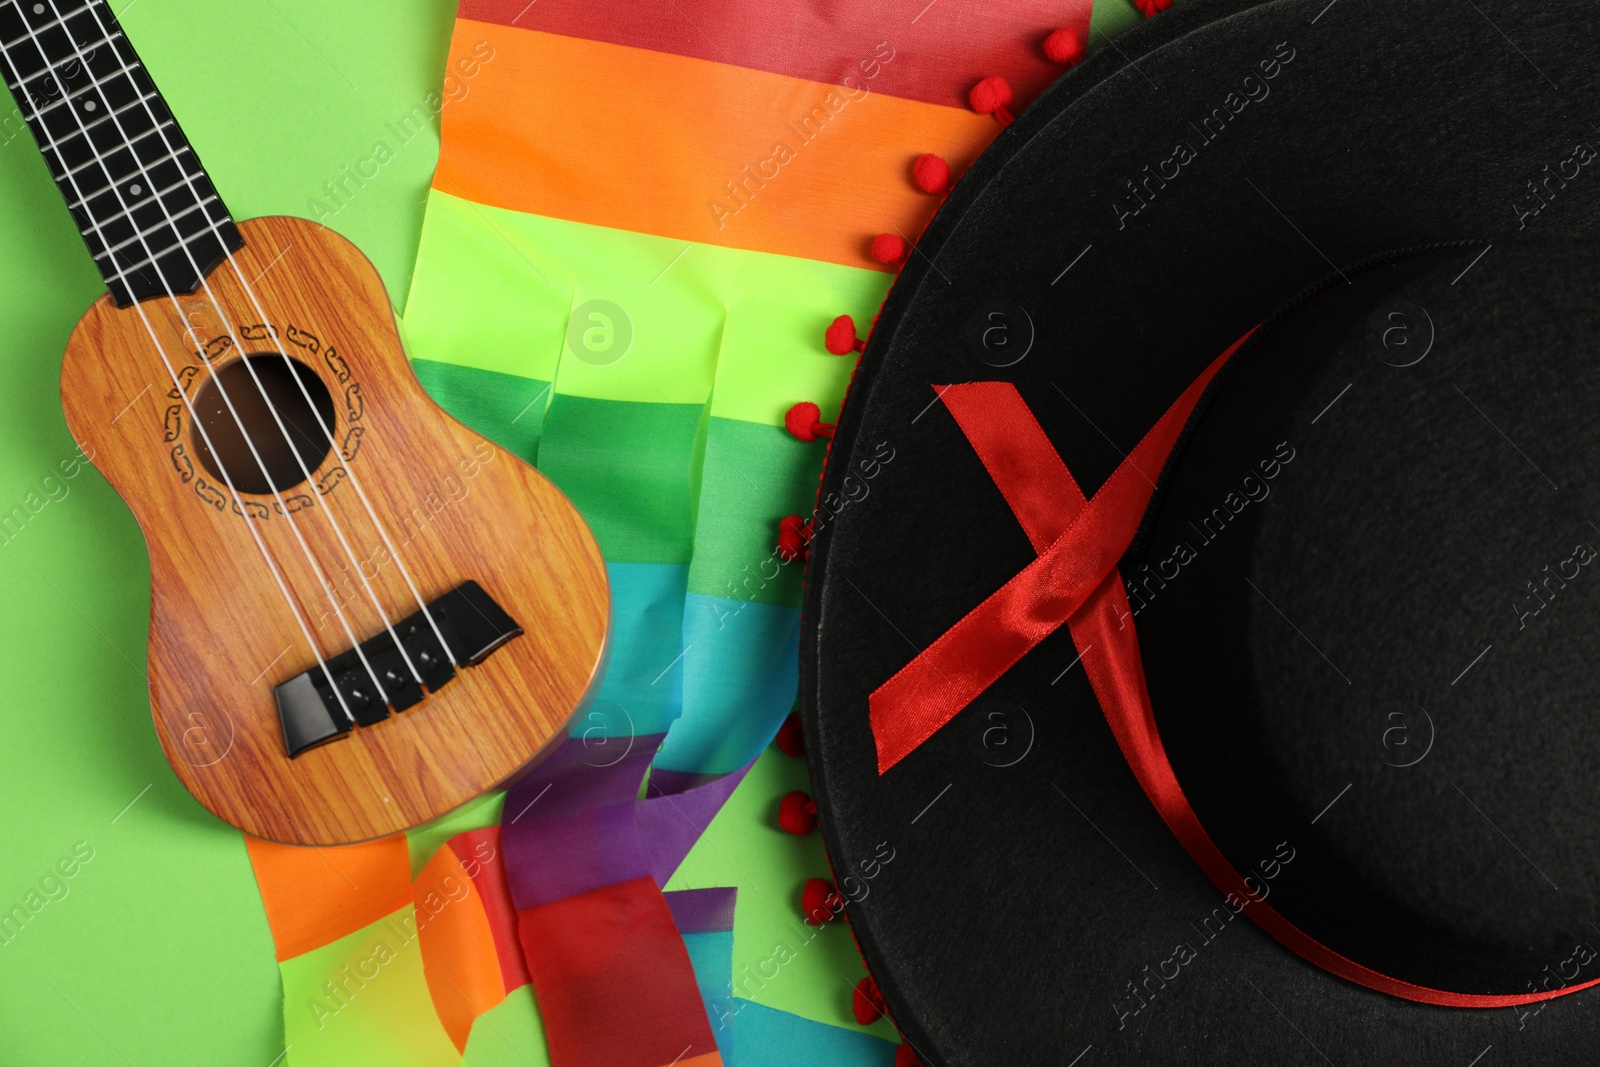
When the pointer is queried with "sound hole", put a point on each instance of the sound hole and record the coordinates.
(284, 459)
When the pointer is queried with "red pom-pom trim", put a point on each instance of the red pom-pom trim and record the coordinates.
(1151, 8)
(992, 96)
(931, 173)
(841, 337)
(820, 903)
(797, 814)
(804, 421)
(794, 538)
(791, 739)
(867, 1002)
(890, 249)
(1064, 46)
(906, 1056)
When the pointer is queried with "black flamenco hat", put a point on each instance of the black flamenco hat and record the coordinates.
(1205, 595)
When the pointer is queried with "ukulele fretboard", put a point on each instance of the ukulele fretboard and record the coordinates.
(136, 189)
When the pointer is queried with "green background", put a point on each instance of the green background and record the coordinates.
(158, 951)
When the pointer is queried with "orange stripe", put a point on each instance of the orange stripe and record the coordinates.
(646, 141)
(314, 896)
(458, 949)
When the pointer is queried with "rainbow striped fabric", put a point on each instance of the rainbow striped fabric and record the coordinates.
(644, 216)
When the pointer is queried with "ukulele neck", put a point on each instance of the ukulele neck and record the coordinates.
(141, 199)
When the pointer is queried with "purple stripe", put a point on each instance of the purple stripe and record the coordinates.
(574, 824)
(702, 911)
(670, 824)
(582, 773)
(551, 859)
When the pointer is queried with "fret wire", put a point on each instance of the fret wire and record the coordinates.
(179, 184)
(74, 205)
(95, 157)
(158, 161)
(52, 24)
(98, 227)
(83, 131)
(122, 72)
(149, 261)
(49, 69)
(140, 235)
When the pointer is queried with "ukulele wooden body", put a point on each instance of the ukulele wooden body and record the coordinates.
(454, 508)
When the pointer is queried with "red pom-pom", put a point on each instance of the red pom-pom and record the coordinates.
(867, 1002)
(793, 535)
(1150, 8)
(791, 739)
(931, 173)
(890, 249)
(992, 96)
(820, 903)
(841, 336)
(1064, 46)
(797, 814)
(804, 421)
(906, 1056)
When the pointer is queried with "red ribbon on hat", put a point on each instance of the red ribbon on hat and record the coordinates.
(1078, 541)
(1074, 583)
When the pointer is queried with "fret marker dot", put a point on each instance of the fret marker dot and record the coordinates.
(89, 105)
(38, 9)
(137, 189)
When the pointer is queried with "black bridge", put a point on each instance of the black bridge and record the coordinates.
(473, 626)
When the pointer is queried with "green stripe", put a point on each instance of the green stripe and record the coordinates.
(1109, 18)
(506, 408)
(752, 477)
(626, 466)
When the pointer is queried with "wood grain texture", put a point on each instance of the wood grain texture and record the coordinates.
(454, 507)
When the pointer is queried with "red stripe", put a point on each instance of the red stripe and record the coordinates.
(614, 981)
(936, 51)
(480, 856)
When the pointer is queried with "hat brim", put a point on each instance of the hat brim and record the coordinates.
(1022, 900)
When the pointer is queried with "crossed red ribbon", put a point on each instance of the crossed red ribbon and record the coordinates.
(1074, 582)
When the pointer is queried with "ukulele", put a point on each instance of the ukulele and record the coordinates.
(362, 613)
